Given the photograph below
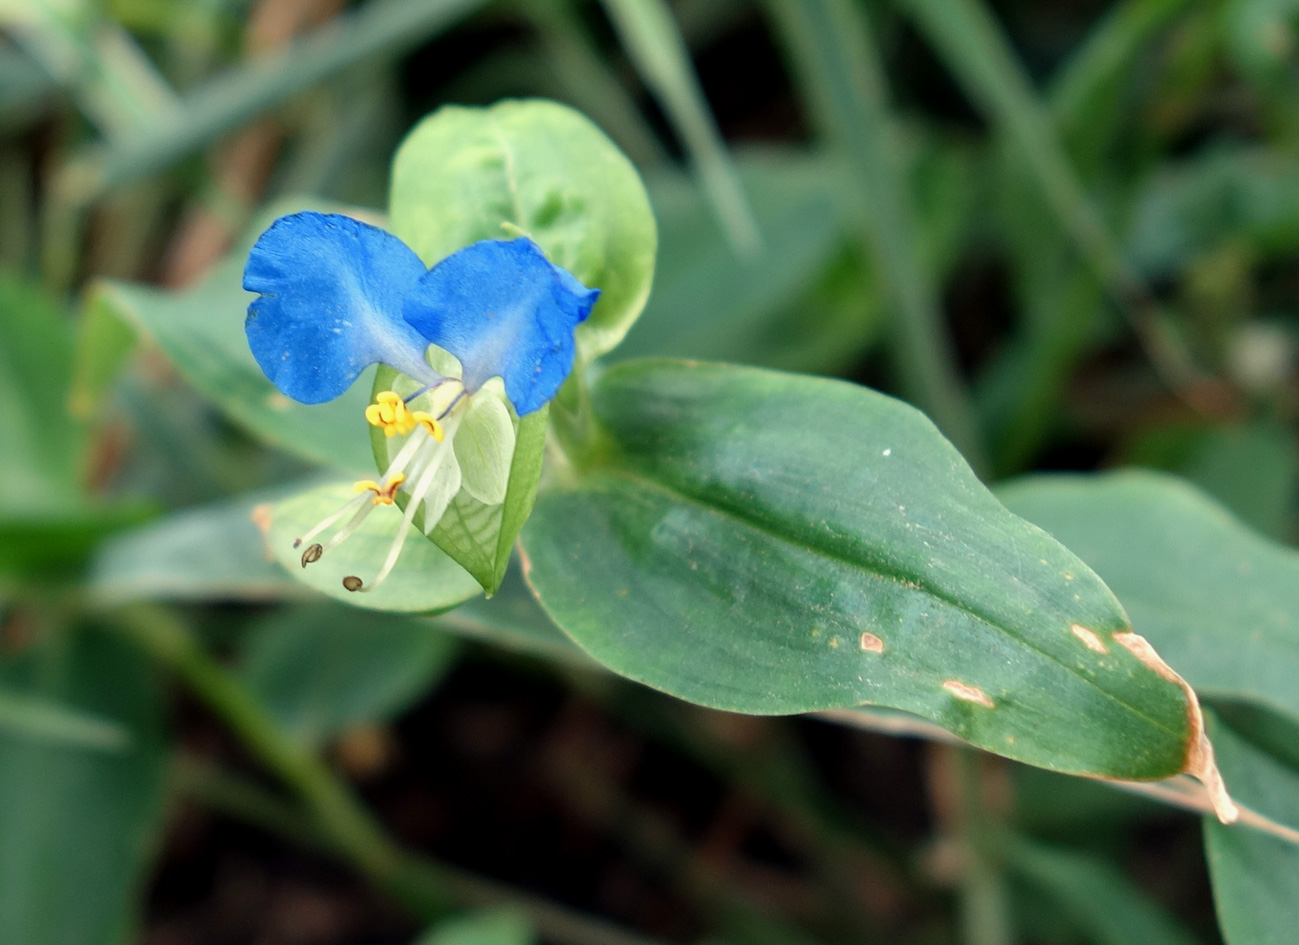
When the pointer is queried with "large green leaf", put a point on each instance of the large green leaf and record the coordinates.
(771, 543)
(322, 668)
(1255, 876)
(78, 826)
(201, 331)
(539, 168)
(424, 580)
(1219, 602)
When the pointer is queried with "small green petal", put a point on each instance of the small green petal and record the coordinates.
(484, 445)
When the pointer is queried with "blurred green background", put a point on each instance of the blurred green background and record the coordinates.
(1066, 230)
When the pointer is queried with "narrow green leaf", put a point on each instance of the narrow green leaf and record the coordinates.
(770, 543)
(490, 927)
(44, 720)
(323, 668)
(1219, 602)
(838, 64)
(385, 28)
(103, 344)
(655, 44)
(79, 827)
(201, 331)
(42, 445)
(972, 44)
(535, 168)
(424, 580)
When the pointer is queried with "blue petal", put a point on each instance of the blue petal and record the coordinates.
(331, 300)
(505, 311)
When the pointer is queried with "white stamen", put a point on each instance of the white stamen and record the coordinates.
(331, 519)
(416, 499)
(363, 504)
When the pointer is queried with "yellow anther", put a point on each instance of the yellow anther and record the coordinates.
(429, 422)
(390, 412)
(383, 494)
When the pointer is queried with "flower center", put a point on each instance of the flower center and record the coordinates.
(425, 468)
(390, 413)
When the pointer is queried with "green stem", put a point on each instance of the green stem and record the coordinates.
(427, 888)
(960, 783)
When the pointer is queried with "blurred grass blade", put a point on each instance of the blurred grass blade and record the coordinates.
(972, 44)
(46, 721)
(592, 84)
(657, 48)
(1106, 54)
(837, 64)
(78, 829)
(385, 27)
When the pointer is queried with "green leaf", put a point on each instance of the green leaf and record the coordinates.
(1220, 603)
(56, 542)
(42, 446)
(201, 331)
(476, 535)
(41, 719)
(514, 621)
(537, 168)
(1255, 876)
(424, 580)
(1098, 899)
(1226, 195)
(770, 543)
(212, 553)
(488, 927)
(323, 668)
(79, 827)
(752, 301)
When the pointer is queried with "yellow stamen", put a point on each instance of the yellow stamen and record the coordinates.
(390, 412)
(429, 422)
(383, 494)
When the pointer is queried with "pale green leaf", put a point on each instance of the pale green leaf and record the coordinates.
(536, 168)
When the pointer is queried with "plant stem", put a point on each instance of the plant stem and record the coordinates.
(427, 888)
(960, 782)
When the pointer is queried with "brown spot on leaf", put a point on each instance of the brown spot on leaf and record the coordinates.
(1140, 647)
(1200, 762)
(1089, 638)
(968, 693)
(871, 643)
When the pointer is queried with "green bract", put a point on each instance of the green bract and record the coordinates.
(537, 168)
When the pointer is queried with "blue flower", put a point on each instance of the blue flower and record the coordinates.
(336, 295)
